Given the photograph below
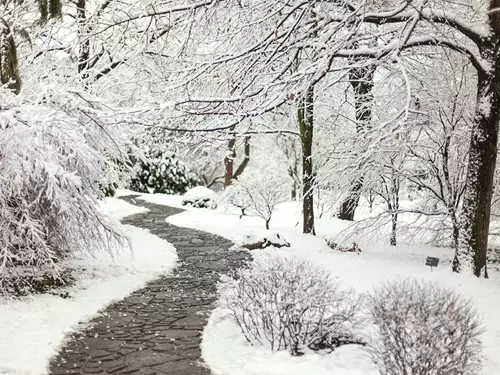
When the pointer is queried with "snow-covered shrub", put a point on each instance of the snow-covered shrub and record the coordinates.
(51, 170)
(235, 195)
(200, 197)
(289, 304)
(161, 172)
(494, 255)
(264, 191)
(424, 329)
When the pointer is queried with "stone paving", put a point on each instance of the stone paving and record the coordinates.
(157, 329)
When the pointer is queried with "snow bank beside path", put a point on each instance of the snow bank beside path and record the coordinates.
(227, 352)
(32, 329)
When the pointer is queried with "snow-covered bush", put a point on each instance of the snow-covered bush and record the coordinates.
(51, 170)
(161, 172)
(424, 329)
(494, 255)
(200, 197)
(264, 191)
(289, 304)
(235, 195)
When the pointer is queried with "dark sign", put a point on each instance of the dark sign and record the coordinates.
(432, 262)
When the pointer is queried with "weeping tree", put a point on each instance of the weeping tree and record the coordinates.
(9, 64)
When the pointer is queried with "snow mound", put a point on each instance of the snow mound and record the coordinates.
(253, 241)
(200, 197)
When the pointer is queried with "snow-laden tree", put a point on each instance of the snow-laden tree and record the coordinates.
(264, 191)
(54, 161)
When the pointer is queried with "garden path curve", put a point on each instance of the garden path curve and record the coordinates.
(157, 329)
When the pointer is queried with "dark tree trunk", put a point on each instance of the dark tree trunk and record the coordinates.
(84, 39)
(394, 228)
(294, 190)
(267, 224)
(473, 242)
(362, 83)
(9, 65)
(305, 116)
(229, 161)
(456, 232)
(350, 203)
(245, 161)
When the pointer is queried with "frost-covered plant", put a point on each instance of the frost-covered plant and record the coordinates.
(199, 197)
(494, 255)
(235, 195)
(264, 191)
(424, 329)
(51, 171)
(161, 172)
(290, 304)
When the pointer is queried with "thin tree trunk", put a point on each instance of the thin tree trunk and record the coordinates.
(362, 83)
(305, 116)
(229, 161)
(294, 190)
(84, 40)
(394, 222)
(456, 233)
(267, 224)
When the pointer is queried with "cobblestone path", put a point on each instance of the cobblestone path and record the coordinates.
(157, 329)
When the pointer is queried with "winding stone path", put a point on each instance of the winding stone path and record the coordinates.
(157, 329)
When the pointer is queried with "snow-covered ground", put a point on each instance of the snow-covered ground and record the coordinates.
(34, 328)
(226, 351)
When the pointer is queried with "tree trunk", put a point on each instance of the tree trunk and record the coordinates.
(84, 40)
(362, 83)
(229, 161)
(305, 114)
(456, 232)
(294, 190)
(348, 207)
(473, 242)
(9, 65)
(267, 224)
(475, 221)
(394, 222)
(245, 161)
